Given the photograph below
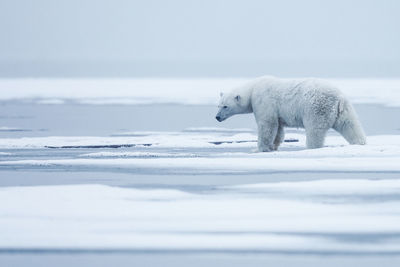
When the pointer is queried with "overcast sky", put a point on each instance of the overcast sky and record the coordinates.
(203, 36)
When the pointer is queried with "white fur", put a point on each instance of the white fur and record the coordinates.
(312, 104)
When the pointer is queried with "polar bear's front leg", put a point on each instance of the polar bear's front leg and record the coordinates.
(315, 137)
(280, 136)
(267, 131)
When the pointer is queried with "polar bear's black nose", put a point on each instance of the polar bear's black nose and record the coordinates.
(218, 118)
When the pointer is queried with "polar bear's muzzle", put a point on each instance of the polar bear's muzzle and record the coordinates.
(223, 114)
(221, 117)
(218, 118)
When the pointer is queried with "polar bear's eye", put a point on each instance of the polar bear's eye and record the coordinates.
(225, 107)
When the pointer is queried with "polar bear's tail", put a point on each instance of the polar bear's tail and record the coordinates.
(348, 125)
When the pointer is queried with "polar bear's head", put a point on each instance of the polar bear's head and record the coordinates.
(229, 105)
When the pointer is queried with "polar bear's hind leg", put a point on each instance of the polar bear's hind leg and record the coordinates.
(348, 125)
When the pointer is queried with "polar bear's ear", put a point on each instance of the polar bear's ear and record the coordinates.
(237, 98)
(221, 94)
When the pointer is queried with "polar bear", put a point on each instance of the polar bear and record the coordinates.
(309, 103)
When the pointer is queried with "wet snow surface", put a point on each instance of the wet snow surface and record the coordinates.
(170, 179)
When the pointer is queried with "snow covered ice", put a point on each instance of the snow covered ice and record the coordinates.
(176, 153)
(178, 91)
(101, 182)
(312, 216)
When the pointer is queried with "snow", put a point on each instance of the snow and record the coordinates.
(155, 139)
(325, 187)
(301, 216)
(176, 152)
(178, 91)
(227, 165)
(379, 145)
(98, 216)
(212, 207)
(115, 91)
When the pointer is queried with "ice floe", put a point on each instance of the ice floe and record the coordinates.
(177, 91)
(103, 217)
(131, 139)
(210, 153)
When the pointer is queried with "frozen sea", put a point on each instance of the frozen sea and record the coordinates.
(139, 172)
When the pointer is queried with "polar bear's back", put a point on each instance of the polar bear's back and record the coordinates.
(287, 89)
(298, 100)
